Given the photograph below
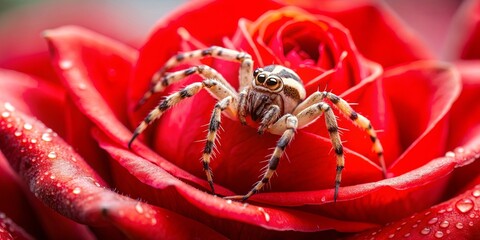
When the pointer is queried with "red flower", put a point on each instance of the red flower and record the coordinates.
(422, 107)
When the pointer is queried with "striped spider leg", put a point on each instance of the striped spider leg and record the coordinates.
(161, 79)
(213, 82)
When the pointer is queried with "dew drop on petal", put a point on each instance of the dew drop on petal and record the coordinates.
(391, 235)
(9, 107)
(438, 234)
(5, 114)
(47, 137)
(77, 190)
(450, 154)
(433, 221)
(33, 140)
(476, 193)
(229, 201)
(425, 231)
(459, 225)
(52, 155)
(65, 64)
(444, 224)
(17, 133)
(27, 126)
(407, 235)
(470, 224)
(464, 205)
(82, 86)
(139, 208)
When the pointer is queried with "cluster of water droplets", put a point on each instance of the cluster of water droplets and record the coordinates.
(439, 224)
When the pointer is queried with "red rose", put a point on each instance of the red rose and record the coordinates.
(422, 107)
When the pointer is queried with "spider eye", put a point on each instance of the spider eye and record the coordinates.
(257, 71)
(261, 78)
(271, 82)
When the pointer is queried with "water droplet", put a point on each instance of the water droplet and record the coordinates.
(47, 137)
(476, 193)
(407, 235)
(449, 209)
(27, 126)
(391, 235)
(77, 190)
(18, 133)
(52, 155)
(464, 205)
(427, 213)
(459, 150)
(265, 214)
(65, 64)
(323, 199)
(5, 114)
(459, 225)
(139, 208)
(470, 224)
(33, 140)
(9, 107)
(433, 221)
(425, 231)
(414, 225)
(438, 234)
(450, 154)
(442, 211)
(444, 224)
(82, 86)
(229, 201)
(52, 177)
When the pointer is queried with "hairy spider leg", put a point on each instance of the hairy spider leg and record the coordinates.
(213, 127)
(214, 87)
(288, 124)
(358, 120)
(245, 70)
(309, 115)
(204, 71)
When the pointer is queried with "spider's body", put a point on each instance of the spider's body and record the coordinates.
(273, 96)
(274, 91)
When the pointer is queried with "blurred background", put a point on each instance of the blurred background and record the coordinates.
(430, 18)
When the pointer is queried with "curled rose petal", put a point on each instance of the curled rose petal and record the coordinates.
(154, 178)
(457, 218)
(61, 179)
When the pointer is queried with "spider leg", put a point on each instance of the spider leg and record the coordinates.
(213, 127)
(214, 87)
(358, 119)
(245, 60)
(288, 124)
(309, 115)
(163, 81)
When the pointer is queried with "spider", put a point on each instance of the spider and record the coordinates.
(272, 96)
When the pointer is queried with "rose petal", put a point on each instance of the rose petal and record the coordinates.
(457, 218)
(370, 21)
(464, 32)
(77, 49)
(64, 182)
(425, 90)
(34, 96)
(15, 206)
(187, 199)
(464, 124)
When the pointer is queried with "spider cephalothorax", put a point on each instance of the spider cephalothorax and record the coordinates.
(275, 90)
(272, 96)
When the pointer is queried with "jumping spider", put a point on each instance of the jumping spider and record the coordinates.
(273, 96)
